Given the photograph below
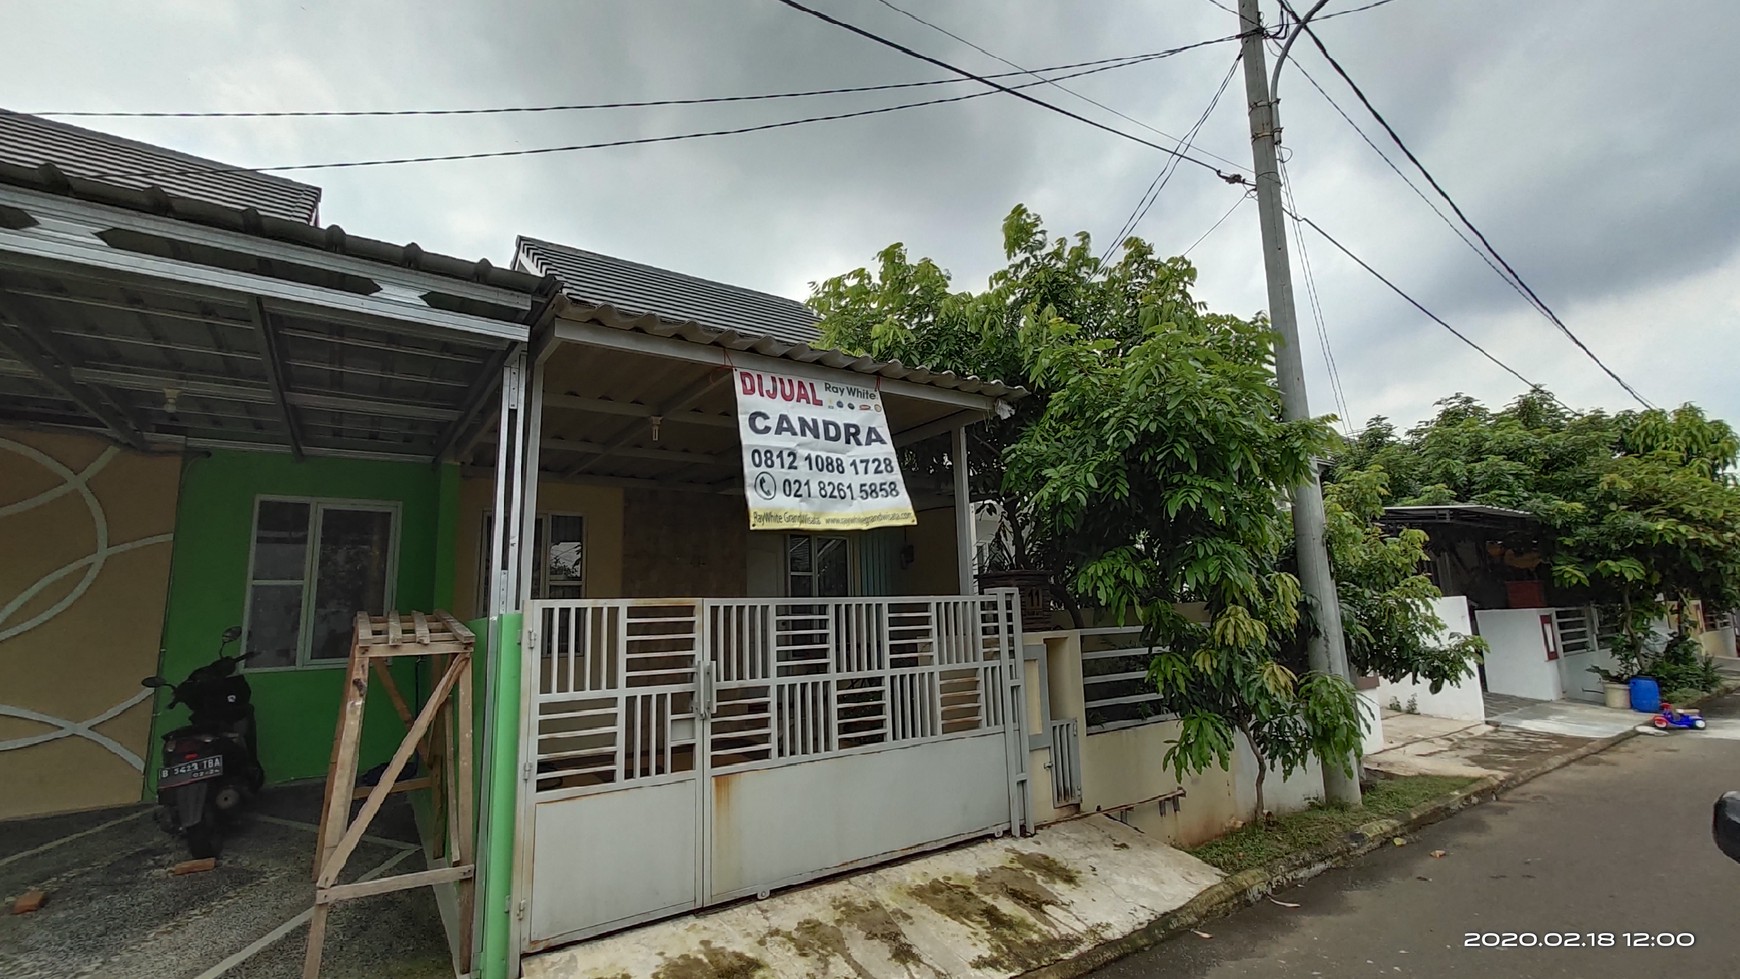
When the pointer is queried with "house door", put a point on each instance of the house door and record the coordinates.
(685, 752)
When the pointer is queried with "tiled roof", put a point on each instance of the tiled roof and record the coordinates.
(634, 289)
(32, 141)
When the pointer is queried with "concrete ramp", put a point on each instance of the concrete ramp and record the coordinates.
(986, 911)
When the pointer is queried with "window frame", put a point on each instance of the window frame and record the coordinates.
(310, 568)
(540, 574)
(853, 585)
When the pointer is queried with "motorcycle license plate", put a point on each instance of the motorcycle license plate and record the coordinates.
(193, 771)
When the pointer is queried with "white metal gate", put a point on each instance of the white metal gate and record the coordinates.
(684, 752)
(1577, 649)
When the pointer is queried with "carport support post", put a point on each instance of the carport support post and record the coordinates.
(499, 951)
(496, 955)
(965, 527)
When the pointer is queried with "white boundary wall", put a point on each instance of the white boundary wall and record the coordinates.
(1461, 701)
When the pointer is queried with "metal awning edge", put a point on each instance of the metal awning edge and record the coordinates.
(730, 340)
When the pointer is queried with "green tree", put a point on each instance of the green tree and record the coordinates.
(1638, 508)
(909, 312)
(1386, 600)
(1150, 465)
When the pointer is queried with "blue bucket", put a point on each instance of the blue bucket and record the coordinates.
(1645, 694)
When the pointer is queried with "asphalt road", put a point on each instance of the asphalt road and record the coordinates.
(1616, 844)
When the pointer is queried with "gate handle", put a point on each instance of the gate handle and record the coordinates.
(709, 693)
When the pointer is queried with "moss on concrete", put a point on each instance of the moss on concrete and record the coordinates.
(880, 924)
(1049, 868)
(713, 962)
(1017, 943)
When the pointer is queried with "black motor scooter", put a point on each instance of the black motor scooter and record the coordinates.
(211, 766)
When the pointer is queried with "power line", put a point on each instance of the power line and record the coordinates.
(1146, 202)
(581, 106)
(1544, 308)
(1068, 91)
(1375, 148)
(1234, 178)
(1316, 303)
(1412, 301)
(1213, 227)
(1351, 10)
(637, 141)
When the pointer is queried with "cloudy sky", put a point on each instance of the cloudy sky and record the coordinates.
(1594, 141)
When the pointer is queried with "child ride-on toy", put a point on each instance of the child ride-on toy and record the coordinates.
(1672, 716)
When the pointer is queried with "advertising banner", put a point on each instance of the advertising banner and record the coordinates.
(818, 455)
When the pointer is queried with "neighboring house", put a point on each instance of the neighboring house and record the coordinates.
(215, 412)
(1544, 639)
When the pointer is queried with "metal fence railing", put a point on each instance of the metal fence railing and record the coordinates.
(1116, 691)
(1065, 762)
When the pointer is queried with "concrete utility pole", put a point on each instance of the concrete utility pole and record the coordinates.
(1327, 650)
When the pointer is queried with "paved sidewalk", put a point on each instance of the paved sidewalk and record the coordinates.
(985, 911)
(1415, 744)
(1568, 717)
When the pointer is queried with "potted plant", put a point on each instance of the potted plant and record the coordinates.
(1615, 685)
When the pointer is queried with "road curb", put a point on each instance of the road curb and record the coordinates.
(1250, 886)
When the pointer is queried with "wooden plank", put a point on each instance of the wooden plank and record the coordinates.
(335, 807)
(316, 942)
(462, 816)
(440, 769)
(387, 885)
(458, 628)
(422, 625)
(408, 785)
(333, 865)
(386, 677)
(365, 632)
(384, 651)
(395, 633)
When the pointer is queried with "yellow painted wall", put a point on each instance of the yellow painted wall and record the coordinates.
(85, 530)
(684, 545)
(933, 568)
(1125, 767)
(600, 505)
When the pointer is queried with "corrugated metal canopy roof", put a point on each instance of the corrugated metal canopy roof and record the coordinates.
(660, 326)
(601, 280)
(1465, 514)
(31, 141)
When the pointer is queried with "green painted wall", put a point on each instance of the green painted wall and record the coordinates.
(297, 709)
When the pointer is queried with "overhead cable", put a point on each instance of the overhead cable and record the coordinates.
(606, 144)
(1146, 202)
(1412, 301)
(1068, 91)
(1530, 292)
(1232, 178)
(582, 106)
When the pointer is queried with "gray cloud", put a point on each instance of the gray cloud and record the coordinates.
(1589, 139)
